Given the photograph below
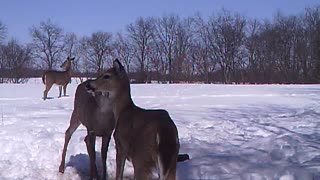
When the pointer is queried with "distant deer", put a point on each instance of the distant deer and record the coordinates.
(94, 111)
(148, 138)
(61, 78)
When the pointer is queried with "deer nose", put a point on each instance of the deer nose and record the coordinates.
(89, 87)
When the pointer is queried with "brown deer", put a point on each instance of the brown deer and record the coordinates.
(61, 78)
(94, 111)
(148, 138)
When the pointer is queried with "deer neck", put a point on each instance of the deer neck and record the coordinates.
(122, 102)
(68, 69)
(103, 102)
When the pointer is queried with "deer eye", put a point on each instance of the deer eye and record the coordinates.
(106, 76)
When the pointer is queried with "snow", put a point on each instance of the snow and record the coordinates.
(254, 132)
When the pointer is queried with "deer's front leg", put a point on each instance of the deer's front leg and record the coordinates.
(65, 89)
(74, 124)
(90, 142)
(104, 152)
(60, 90)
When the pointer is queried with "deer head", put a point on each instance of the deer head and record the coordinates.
(67, 63)
(111, 82)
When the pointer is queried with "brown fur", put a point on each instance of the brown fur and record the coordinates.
(94, 111)
(60, 78)
(148, 138)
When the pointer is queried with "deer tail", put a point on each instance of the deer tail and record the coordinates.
(183, 157)
(168, 148)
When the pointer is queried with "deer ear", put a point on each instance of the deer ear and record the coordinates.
(72, 58)
(118, 66)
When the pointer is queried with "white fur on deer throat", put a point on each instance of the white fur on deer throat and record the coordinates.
(111, 94)
(90, 91)
(159, 162)
(158, 139)
(105, 107)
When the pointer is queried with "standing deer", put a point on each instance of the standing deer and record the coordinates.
(148, 138)
(61, 78)
(94, 111)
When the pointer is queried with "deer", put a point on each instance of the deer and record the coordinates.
(94, 111)
(60, 78)
(147, 138)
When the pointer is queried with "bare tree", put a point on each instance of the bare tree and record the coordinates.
(166, 32)
(267, 54)
(181, 66)
(47, 43)
(226, 36)
(224, 47)
(3, 32)
(252, 44)
(286, 28)
(141, 34)
(204, 61)
(157, 65)
(70, 44)
(202, 52)
(72, 49)
(95, 50)
(123, 49)
(312, 25)
(17, 60)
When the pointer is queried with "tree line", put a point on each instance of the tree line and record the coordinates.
(225, 47)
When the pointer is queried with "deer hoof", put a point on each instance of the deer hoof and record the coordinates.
(61, 169)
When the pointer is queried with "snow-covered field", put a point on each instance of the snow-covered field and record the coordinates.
(230, 131)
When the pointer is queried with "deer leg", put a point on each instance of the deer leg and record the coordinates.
(65, 89)
(45, 92)
(170, 173)
(141, 171)
(74, 124)
(90, 140)
(104, 152)
(120, 160)
(60, 89)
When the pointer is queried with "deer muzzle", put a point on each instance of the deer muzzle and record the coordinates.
(89, 87)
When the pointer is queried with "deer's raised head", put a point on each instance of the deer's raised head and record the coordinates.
(112, 81)
(67, 63)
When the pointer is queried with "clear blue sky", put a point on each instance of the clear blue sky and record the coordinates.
(86, 16)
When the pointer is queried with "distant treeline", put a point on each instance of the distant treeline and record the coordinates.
(223, 48)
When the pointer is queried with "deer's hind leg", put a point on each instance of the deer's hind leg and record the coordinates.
(142, 171)
(171, 173)
(74, 124)
(47, 89)
(120, 158)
